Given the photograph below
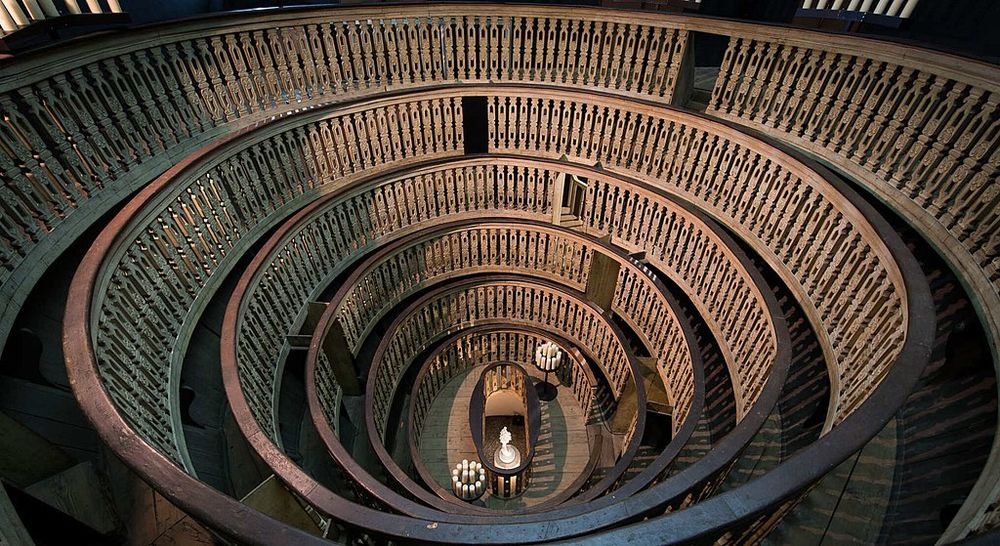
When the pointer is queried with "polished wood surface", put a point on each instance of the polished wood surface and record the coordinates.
(658, 180)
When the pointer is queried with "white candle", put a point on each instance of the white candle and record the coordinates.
(15, 12)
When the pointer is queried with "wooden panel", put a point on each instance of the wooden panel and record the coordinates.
(79, 493)
(26, 457)
(12, 531)
(273, 499)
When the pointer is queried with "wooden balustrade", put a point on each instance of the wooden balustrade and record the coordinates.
(903, 127)
(210, 205)
(507, 302)
(510, 302)
(496, 248)
(795, 217)
(478, 348)
(228, 63)
(359, 221)
(920, 130)
(686, 231)
(70, 138)
(155, 279)
(500, 163)
(676, 240)
(83, 127)
(534, 250)
(224, 79)
(517, 188)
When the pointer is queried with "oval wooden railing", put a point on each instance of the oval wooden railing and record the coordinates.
(919, 129)
(336, 235)
(866, 390)
(862, 333)
(732, 448)
(179, 92)
(526, 248)
(685, 231)
(498, 377)
(27, 120)
(510, 301)
(400, 267)
(481, 346)
(422, 260)
(119, 110)
(178, 252)
(269, 323)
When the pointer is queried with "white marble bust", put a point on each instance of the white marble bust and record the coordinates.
(507, 456)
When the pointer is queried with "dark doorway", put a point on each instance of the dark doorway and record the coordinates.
(474, 124)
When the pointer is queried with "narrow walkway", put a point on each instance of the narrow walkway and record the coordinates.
(560, 457)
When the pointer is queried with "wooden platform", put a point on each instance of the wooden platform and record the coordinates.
(561, 455)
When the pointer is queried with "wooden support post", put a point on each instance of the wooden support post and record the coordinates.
(314, 311)
(341, 360)
(335, 345)
(557, 198)
(625, 410)
(656, 394)
(684, 86)
(603, 280)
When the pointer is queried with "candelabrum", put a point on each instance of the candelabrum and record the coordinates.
(468, 480)
(548, 357)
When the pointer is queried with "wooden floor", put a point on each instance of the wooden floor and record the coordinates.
(560, 457)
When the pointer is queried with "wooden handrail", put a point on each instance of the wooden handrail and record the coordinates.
(501, 300)
(475, 347)
(905, 311)
(508, 376)
(154, 94)
(637, 299)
